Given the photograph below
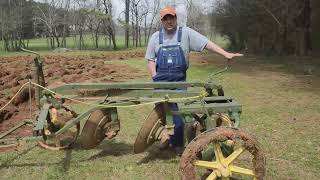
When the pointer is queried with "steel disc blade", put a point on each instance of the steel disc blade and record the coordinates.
(93, 132)
(142, 141)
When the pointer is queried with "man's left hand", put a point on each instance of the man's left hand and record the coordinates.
(232, 55)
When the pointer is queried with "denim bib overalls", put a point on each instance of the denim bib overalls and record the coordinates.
(171, 66)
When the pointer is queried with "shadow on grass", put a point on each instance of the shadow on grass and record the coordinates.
(154, 153)
(29, 165)
(112, 148)
(8, 163)
(66, 161)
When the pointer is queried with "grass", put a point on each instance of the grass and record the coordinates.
(280, 107)
(41, 44)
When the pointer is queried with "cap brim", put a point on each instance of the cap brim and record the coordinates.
(172, 14)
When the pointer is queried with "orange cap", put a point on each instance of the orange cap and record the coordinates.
(167, 10)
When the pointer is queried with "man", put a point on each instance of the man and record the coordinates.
(167, 54)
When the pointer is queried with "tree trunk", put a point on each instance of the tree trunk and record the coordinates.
(315, 36)
(137, 25)
(127, 23)
(80, 40)
(113, 37)
(299, 42)
(97, 39)
(6, 43)
(306, 29)
(109, 23)
(139, 36)
(303, 22)
(133, 28)
(145, 29)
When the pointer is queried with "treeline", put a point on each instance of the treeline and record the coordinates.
(269, 27)
(16, 23)
(56, 20)
(258, 26)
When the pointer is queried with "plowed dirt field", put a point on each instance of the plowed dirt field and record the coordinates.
(58, 70)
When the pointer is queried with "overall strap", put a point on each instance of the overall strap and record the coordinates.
(179, 34)
(160, 37)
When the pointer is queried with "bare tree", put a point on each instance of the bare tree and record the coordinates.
(154, 13)
(94, 23)
(65, 23)
(15, 19)
(315, 25)
(108, 22)
(127, 15)
(48, 15)
(140, 11)
(81, 11)
(135, 20)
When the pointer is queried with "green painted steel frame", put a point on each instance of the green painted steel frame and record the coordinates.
(124, 94)
(132, 86)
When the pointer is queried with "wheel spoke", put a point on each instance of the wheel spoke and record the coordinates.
(234, 155)
(212, 176)
(218, 153)
(206, 164)
(240, 170)
(220, 150)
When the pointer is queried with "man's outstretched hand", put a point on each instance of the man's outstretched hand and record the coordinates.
(215, 48)
(233, 55)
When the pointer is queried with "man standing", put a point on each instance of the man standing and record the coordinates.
(168, 53)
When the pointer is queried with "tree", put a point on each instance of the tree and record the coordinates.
(108, 22)
(80, 19)
(127, 15)
(16, 23)
(281, 26)
(154, 13)
(139, 14)
(94, 20)
(53, 16)
(315, 26)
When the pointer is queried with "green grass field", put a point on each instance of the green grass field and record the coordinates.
(41, 44)
(280, 107)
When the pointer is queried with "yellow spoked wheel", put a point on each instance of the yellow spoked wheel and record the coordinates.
(247, 160)
(224, 120)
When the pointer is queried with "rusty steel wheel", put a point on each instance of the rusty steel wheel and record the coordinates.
(247, 160)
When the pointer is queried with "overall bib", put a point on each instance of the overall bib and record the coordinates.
(171, 66)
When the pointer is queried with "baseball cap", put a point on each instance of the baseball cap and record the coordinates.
(167, 10)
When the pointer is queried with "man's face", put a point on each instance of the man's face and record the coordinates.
(169, 23)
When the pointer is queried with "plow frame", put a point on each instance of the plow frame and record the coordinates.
(200, 98)
(199, 105)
